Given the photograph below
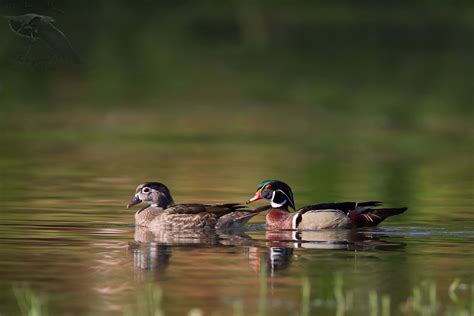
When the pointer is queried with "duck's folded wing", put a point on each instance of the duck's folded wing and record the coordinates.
(321, 219)
(186, 209)
(195, 208)
(360, 214)
(346, 207)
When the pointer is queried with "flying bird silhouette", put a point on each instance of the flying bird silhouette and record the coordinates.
(34, 26)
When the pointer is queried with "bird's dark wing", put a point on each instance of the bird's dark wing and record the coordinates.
(56, 40)
(346, 207)
(21, 26)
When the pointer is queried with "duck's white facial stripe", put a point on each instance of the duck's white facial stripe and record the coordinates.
(150, 190)
(291, 196)
(274, 204)
(288, 198)
(144, 196)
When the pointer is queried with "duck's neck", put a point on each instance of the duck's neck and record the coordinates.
(145, 215)
(279, 218)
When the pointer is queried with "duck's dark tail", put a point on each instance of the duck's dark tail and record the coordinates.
(238, 219)
(373, 217)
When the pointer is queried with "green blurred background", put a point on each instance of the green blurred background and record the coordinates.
(373, 95)
(401, 59)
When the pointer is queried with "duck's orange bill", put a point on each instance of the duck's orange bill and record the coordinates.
(256, 197)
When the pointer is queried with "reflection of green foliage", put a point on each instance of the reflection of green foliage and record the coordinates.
(423, 301)
(30, 302)
(149, 302)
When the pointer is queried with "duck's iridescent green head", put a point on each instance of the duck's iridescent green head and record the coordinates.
(278, 192)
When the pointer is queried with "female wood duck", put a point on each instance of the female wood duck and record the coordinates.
(317, 216)
(161, 212)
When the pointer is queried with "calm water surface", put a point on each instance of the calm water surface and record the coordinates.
(66, 234)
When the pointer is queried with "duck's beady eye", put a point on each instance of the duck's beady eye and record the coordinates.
(145, 190)
(268, 187)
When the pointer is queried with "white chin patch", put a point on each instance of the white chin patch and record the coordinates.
(277, 205)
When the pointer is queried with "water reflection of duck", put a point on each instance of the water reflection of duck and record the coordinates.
(274, 258)
(152, 248)
(330, 239)
(280, 247)
(318, 216)
(161, 212)
(146, 235)
(152, 256)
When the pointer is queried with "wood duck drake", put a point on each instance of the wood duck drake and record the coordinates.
(161, 212)
(317, 216)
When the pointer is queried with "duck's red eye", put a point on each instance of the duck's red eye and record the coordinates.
(268, 187)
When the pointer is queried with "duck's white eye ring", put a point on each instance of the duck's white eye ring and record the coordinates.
(146, 190)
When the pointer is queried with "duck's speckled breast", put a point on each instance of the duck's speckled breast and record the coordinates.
(146, 216)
